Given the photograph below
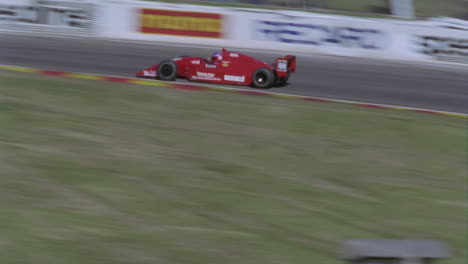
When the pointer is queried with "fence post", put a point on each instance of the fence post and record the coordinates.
(402, 8)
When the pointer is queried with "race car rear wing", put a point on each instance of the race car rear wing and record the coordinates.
(285, 65)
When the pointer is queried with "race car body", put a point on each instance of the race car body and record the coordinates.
(232, 68)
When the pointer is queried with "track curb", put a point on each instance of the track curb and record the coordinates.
(197, 87)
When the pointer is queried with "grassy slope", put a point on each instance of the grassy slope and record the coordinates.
(95, 172)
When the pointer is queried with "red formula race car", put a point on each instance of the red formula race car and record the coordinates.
(224, 67)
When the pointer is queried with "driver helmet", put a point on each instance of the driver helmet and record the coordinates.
(216, 57)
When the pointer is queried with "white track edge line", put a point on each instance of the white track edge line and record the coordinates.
(396, 107)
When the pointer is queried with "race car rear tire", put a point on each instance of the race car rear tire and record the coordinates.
(167, 70)
(282, 80)
(263, 78)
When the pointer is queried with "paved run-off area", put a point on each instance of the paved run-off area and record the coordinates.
(96, 172)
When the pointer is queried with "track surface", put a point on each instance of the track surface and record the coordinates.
(443, 89)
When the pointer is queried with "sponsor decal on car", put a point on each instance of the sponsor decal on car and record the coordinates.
(205, 76)
(234, 78)
(195, 62)
(149, 73)
(235, 55)
(282, 66)
(210, 66)
(181, 23)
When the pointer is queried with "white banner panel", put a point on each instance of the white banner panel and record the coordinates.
(54, 16)
(289, 32)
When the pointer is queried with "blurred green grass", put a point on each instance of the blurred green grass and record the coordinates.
(95, 172)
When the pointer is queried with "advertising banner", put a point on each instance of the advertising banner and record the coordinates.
(50, 15)
(443, 48)
(321, 33)
(181, 23)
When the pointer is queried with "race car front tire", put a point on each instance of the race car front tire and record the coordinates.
(167, 70)
(263, 78)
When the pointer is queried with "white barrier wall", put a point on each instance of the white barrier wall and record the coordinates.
(284, 31)
(49, 16)
(323, 34)
(440, 44)
(203, 22)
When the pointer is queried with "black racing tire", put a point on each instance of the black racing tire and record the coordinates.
(263, 78)
(282, 80)
(167, 70)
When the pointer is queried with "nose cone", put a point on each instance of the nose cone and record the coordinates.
(140, 74)
(151, 72)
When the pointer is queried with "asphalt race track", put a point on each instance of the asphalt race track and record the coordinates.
(443, 89)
